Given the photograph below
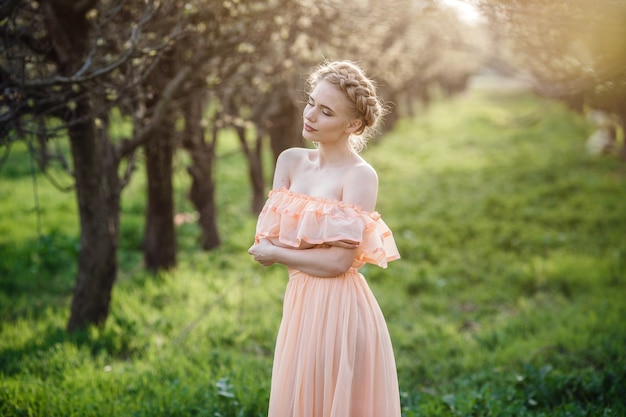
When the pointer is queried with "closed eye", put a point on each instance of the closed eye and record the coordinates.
(325, 110)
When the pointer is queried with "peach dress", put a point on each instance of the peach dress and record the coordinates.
(333, 355)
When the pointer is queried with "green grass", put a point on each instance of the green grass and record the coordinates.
(508, 300)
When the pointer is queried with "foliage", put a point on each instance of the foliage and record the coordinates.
(572, 50)
(507, 301)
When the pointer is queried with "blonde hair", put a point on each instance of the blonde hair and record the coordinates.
(361, 93)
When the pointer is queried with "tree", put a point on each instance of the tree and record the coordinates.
(73, 62)
(573, 51)
(236, 34)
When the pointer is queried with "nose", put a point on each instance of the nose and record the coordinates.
(309, 113)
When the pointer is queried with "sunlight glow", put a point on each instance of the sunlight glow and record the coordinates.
(466, 11)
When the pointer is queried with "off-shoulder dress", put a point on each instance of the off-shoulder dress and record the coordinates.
(333, 355)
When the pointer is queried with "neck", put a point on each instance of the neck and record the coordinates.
(331, 155)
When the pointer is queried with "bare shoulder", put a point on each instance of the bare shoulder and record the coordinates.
(292, 155)
(361, 186)
(287, 162)
(364, 173)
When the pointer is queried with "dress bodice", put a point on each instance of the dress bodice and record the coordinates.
(295, 218)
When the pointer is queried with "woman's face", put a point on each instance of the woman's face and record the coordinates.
(327, 115)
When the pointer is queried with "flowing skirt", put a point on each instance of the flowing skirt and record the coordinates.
(333, 354)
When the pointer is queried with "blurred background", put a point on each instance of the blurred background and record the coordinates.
(137, 143)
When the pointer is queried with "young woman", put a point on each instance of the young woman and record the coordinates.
(333, 355)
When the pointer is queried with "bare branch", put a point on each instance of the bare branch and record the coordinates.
(130, 167)
(172, 87)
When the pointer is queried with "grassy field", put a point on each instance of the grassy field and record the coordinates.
(508, 299)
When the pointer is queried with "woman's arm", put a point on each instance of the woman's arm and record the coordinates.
(360, 187)
(332, 258)
(285, 164)
(345, 243)
(321, 262)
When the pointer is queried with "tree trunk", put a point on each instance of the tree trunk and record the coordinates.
(256, 175)
(95, 170)
(160, 234)
(286, 127)
(255, 168)
(98, 194)
(202, 192)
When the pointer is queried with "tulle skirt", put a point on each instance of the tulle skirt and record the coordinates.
(333, 354)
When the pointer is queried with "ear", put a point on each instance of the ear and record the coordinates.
(354, 125)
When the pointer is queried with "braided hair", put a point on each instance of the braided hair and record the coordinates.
(361, 93)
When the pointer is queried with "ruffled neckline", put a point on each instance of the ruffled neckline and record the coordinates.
(295, 217)
(332, 201)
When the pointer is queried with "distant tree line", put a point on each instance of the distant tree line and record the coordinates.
(179, 72)
(573, 51)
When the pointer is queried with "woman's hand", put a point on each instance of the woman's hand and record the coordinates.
(262, 252)
(326, 260)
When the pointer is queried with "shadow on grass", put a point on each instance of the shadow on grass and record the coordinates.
(36, 274)
(46, 351)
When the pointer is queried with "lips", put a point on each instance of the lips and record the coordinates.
(308, 128)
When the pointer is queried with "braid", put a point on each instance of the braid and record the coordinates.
(359, 90)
